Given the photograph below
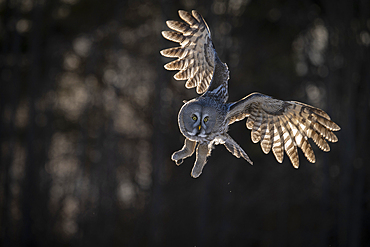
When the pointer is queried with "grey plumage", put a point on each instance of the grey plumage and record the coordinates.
(278, 125)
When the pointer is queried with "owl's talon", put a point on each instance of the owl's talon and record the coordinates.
(186, 151)
(175, 156)
(195, 174)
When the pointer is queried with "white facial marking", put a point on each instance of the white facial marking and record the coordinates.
(193, 133)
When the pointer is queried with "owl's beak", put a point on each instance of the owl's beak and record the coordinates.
(199, 127)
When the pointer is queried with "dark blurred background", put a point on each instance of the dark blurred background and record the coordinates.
(89, 122)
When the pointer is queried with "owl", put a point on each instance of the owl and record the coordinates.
(204, 121)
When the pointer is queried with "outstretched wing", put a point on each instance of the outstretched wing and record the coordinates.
(284, 125)
(197, 59)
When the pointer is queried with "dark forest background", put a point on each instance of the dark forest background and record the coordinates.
(89, 122)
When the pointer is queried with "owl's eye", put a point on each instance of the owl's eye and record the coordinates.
(205, 119)
(194, 117)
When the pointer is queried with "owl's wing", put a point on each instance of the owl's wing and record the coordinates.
(197, 59)
(284, 125)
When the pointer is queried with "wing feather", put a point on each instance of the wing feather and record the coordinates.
(179, 26)
(186, 16)
(284, 126)
(256, 128)
(312, 132)
(177, 65)
(264, 131)
(197, 59)
(278, 141)
(175, 37)
(290, 144)
(251, 119)
(268, 135)
(301, 138)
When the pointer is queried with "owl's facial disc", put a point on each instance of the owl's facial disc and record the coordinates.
(197, 120)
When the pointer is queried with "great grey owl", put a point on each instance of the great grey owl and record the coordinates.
(204, 121)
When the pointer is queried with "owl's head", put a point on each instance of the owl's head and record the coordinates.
(197, 120)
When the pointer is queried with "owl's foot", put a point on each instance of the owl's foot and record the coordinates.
(177, 157)
(197, 170)
(186, 151)
(203, 151)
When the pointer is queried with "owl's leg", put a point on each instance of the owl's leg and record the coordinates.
(235, 149)
(202, 153)
(186, 151)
